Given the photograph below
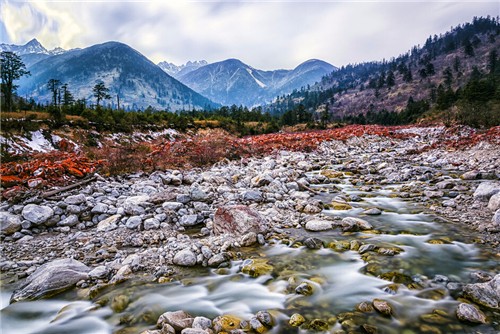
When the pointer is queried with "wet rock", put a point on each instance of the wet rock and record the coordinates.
(37, 214)
(9, 223)
(304, 288)
(51, 278)
(485, 294)
(178, 320)
(99, 272)
(202, 323)
(495, 221)
(318, 325)
(318, 225)
(373, 212)
(226, 323)
(248, 239)
(108, 224)
(351, 224)
(256, 267)
(336, 205)
(257, 326)
(218, 259)
(119, 303)
(485, 190)
(296, 320)
(313, 243)
(470, 313)
(185, 258)
(194, 331)
(238, 220)
(265, 318)
(383, 307)
(365, 307)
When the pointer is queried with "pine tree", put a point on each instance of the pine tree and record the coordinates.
(12, 68)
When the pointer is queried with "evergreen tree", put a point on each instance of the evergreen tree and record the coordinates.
(12, 68)
(101, 92)
(53, 87)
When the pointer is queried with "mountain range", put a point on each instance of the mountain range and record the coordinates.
(233, 82)
(139, 83)
(129, 75)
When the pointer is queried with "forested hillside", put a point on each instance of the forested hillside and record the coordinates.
(453, 76)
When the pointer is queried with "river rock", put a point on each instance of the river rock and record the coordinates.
(494, 203)
(178, 320)
(37, 214)
(188, 220)
(151, 224)
(133, 222)
(485, 190)
(486, 294)
(70, 221)
(261, 180)
(51, 278)
(495, 221)
(318, 225)
(350, 224)
(199, 195)
(251, 196)
(470, 175)
(470, 313)
(9, 223)
(382, 306)
(226, 323)
(185, 258)
(194, 331)
(238, 220)
(99, 208)
(172, 206)
(108, 224)
(373, 212)
(75, 199)
(202, 323)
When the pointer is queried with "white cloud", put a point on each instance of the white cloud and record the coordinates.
(264, 34)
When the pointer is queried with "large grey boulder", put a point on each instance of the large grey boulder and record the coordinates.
(9, 223)
(318, 225)
(485, 294)
(238, 220)
(350, 224)
(37, 214)
(75, 199)
(50, 279)
(185, 258)
(470, 313)
(485, 190)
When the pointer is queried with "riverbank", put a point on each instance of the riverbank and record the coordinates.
(160, 225)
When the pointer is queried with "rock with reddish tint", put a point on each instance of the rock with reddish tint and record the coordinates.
(14, 193)
(238, 220)
(35, 183)
(9, 223)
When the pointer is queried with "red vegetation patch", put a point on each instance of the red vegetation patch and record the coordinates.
(45, 169)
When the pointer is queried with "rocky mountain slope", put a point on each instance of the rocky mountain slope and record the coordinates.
(434, 73)
(128, 74)
(31, 52)
(178, 70)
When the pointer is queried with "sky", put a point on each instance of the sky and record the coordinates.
(267, 35)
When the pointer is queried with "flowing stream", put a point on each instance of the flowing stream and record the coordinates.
(419, 247)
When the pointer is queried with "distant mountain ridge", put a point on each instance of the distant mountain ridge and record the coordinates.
(137, 81)
(178, 70)
(31, 52)
(233, 82)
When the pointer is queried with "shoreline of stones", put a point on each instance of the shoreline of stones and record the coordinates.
(152, 223)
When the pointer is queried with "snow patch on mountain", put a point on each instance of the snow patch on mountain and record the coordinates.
(260, 83)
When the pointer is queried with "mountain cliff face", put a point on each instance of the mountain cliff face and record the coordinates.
(234, 82)
(137, 81)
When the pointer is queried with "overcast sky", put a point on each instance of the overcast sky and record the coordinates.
(264, 34)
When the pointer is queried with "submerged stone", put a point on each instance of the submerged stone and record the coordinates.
(256, 267)
(226, 323)
(296, 320)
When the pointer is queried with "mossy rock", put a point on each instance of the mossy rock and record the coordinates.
(256, 267)
(396, 277)
(435, 318)
(296, 320)
(331, 174)
(335, 205)
(119, 303)
(339, 246)
(440, 241)
(318, 325)
(383, 307)
(226, 323)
